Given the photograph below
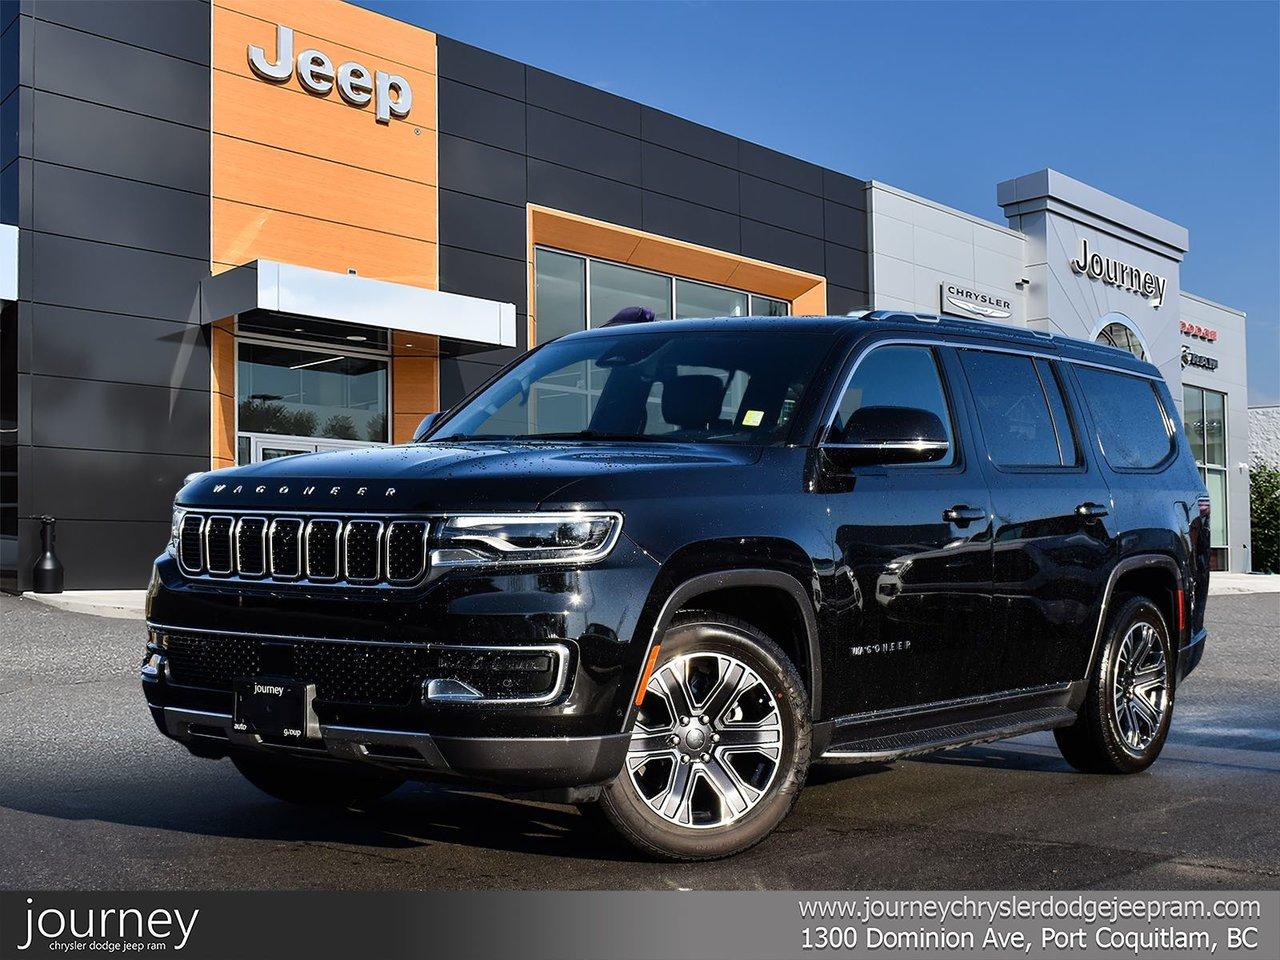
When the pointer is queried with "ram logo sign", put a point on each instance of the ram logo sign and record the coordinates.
(390, 93)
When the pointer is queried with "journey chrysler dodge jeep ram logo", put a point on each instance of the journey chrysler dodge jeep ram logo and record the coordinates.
(316, 74)
(975, 303)
(1117, 273)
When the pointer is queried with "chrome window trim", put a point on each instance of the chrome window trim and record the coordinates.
(377, 551)
(958, 345)
(559, 650)
(337, 550)
(386, 544)
(231, 544)
(298, 547)
(239, 569)
(200, 519)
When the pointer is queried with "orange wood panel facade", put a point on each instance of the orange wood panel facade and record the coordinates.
(312, 180)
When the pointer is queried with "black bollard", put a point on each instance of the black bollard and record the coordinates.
(46, 576)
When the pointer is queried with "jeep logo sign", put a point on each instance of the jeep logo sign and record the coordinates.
(390, 93)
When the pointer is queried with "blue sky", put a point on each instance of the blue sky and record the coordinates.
(1174, 107)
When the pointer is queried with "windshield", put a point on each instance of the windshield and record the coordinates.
(730, 386)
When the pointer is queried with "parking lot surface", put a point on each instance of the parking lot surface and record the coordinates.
(92, 797)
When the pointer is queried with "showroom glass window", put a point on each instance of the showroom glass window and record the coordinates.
(303, 386)
(1204, 418)
(1116, 332)
(576, 293)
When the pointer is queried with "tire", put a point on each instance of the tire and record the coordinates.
(744, 760)
(1125, 718)
(315, 783)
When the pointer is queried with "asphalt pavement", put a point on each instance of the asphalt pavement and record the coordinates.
(91, 797)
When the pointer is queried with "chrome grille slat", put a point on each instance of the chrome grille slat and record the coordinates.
(406, 549)
(284, 541)
(325, 549)
(251, 546)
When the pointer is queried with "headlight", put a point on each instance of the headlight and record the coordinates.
(174, 529)
(484, 540)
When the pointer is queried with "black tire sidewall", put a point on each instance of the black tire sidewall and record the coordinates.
(632, 816)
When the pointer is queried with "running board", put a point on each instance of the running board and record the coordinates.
(947, 736)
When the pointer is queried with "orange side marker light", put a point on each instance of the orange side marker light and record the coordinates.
(648, 672)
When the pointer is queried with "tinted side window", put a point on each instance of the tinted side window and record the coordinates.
(1067, 441)
(1131, 422)
(897, 376)
(1013, 410)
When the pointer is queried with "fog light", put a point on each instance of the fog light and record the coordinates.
(495, 674)
(153, 666)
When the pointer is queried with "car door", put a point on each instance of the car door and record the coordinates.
(1054, 534)
(913, 549)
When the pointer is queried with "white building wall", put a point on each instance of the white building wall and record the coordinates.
(1264, 435)
(918, 245)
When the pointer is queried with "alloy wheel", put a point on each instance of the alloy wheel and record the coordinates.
(708, 741)
(1139, 694)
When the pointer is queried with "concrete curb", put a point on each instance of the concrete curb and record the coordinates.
(119, 604)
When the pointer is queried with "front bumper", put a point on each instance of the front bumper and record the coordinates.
(532, 762)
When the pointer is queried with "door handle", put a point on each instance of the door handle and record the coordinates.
(963, 514)
(1091, 509)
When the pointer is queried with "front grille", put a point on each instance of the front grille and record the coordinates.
(374, 674)
(361, 551)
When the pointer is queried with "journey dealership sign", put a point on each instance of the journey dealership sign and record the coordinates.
(390, 93)
(1117, 273)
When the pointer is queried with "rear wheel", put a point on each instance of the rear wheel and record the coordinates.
(315, 783)
(720, 747)
(1125, 718)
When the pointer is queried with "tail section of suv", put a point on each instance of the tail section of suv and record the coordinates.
(666, 566)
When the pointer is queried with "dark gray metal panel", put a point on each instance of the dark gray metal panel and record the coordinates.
(176, 29)
(94, 137)
(485, 226)
(846, 266)
(98, 276)
(582, 193)
(479, 68)
(484, 275)
(841, 300)
(845, 189)
(480, 115)
(583, 146)
(780, 168)
(775, 245)
(688, 137)
(781, 206)
(108, 485)
(690, 222)
(9, 58)
(481, 170)
(115, 74)
(9, 10)
(93, 415)
(844, 225)
(679, 175)
(575, 99)
(97, 346)
(96, 207)
(109, 555)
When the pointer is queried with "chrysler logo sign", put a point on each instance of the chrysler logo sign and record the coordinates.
(389, 93)
(974, 303)
(1117, 273)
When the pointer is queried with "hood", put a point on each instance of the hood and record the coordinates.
(433, 477)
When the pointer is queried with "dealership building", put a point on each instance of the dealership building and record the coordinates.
(245, 229)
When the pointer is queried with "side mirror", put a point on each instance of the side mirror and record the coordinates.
(427, 422)
(888, 435)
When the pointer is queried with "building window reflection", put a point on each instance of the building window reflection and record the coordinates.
(1116, 332)
(1204, 417)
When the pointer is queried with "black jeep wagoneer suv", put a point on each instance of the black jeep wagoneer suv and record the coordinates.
(665, 566)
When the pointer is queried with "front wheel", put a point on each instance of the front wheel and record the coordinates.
(720, 747)
(1125, 718)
